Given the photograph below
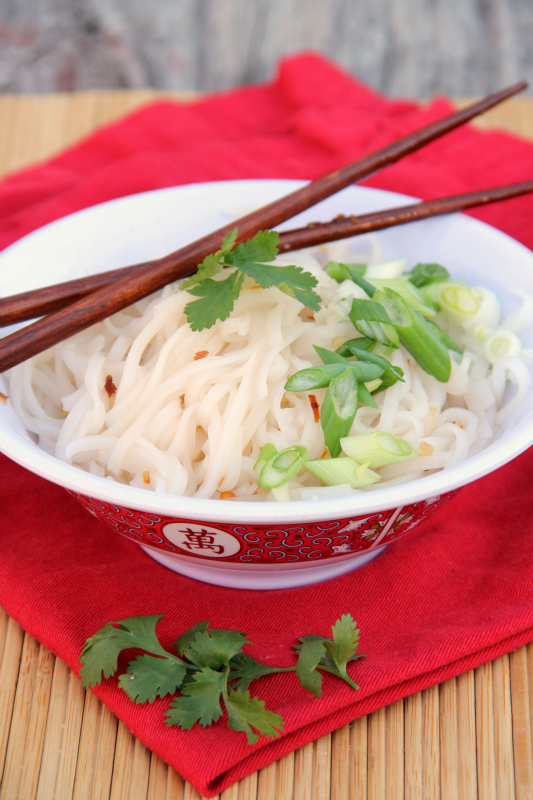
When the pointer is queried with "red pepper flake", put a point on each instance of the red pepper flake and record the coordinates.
(315, 407)
(3, 398)
(146, 477)
(324, 452)
(256, 286)
(201, 354)
(109, 386)
(226, 495)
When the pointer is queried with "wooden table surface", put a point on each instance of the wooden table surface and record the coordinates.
(469, 737)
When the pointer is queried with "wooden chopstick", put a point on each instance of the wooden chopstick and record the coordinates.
(29, 305)
(103, 302)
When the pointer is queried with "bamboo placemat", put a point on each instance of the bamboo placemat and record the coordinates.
(470, 737)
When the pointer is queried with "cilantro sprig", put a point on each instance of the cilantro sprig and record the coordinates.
(216, 298)
(210, 670)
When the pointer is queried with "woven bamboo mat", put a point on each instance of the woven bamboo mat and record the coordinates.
(470, 737)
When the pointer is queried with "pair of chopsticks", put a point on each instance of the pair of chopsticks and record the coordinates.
(74, 306)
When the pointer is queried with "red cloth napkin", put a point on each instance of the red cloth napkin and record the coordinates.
(454, 594)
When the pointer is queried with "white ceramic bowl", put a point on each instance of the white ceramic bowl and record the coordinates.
(254, 545)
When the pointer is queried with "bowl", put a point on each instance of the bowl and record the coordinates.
(244, 544)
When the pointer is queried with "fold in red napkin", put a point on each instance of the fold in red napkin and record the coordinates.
(454, 594)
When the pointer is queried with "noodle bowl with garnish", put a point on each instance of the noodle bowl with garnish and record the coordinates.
(156, 429)
(142, 399)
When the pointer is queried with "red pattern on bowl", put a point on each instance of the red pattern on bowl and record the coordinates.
(260, 544)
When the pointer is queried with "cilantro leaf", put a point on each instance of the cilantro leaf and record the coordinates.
(101, 651)
(245, 669)
(311, 653)
(245, 713)
(228, 242)
(263, 247)
(182, 642)
(214, 658)
(339, 651)
(148, 677)
(211, 265)
(299, 284)
(217, 299)
(249, 257)
(345, 641)
(199, 701)
(215, 648)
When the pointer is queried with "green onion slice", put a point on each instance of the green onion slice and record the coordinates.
(342, 272)
(373, 386)
(338, 409)
(455, 299)
(336, 471)
(364, 396)
(362, 343)
(373, 321)
(410, 294)
(425, 274)
(378, 449)
(330, 356)
(418, 337)
(390, 374)
(364, 285)
(281, 467)
(319, 377)
(268, 451)
(446, 340)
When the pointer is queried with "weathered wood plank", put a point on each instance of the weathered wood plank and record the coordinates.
(403, 47)
(466, 735)
(449, 768)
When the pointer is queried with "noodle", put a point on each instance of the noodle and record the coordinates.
(192, 410)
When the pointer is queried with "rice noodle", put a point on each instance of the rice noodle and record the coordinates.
(192, 409)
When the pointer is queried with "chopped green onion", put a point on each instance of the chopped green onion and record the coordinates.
(268, 451)
(320, 377)
(364, 396)
(338, 409)
(378, 449)
(337, 471)
(455, 299)
(281, 493)
(425, 274)
(446, 340)
(372, 386)
(372, 320)
(418, 336)
(281, 467)
(398, 312)
(501, 343)
(362, 343)
(364, 285)
(390, 374)
(342, 272)
(410, 294)
(458, 298)
(330, 357)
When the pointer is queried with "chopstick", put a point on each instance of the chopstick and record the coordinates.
(29, 305)
(107, 300)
